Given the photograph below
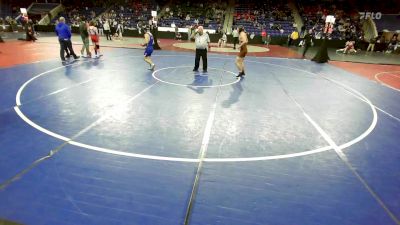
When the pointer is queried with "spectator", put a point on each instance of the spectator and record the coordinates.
(281, 30)
(106, 28)
(235, 35)
(371, 44)
(349, 47)
(222, 40)
(101, 27)
(30, 32)
(178, 35)
(120, 30)
(307, 42)
(293, 37)
(264, 36)
(393, 44)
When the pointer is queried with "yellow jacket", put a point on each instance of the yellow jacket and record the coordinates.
(294, 35)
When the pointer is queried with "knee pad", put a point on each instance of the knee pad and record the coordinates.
(97, 46)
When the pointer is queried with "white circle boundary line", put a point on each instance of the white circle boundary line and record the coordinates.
(189, 85)
(376, 76)
(178, 159)
(363, 98)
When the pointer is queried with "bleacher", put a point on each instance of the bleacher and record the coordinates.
(131, 13)
(183, 13)
(347, 24)
(71, 14)
(273, 16)
(41, 8)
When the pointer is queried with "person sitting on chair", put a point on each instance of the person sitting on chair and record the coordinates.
(393, 44)
(222, 40)
(178, 35)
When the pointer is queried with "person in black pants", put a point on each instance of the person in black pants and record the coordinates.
(307, 42)
(64, 36)
(322, 54)
(202, 41)
(235, 35)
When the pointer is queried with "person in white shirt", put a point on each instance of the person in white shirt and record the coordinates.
(202, 41)
(120, 30)
(107, 30)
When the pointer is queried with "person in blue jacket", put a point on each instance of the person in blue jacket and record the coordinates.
(64, 37)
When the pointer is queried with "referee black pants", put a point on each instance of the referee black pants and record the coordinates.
(203, 54)
(66, 44)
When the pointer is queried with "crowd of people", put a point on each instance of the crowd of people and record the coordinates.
(272, 17)
(185, 13)
(264, 18)
(9, 21)
(347, 25)
(262, 10)
(128, 16)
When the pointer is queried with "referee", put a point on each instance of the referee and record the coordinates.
(202, 44)
(63, 32)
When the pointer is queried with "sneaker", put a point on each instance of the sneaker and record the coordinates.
(76, 57)
(195, 70)
(240, 75)
(204, 71)
(152, 67)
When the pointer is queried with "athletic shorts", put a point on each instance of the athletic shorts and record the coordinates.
(148, 51)
(94, 38)
(243, 51)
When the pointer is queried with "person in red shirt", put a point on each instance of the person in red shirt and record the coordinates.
(94, 36)
(349, 48)
(264, 36)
